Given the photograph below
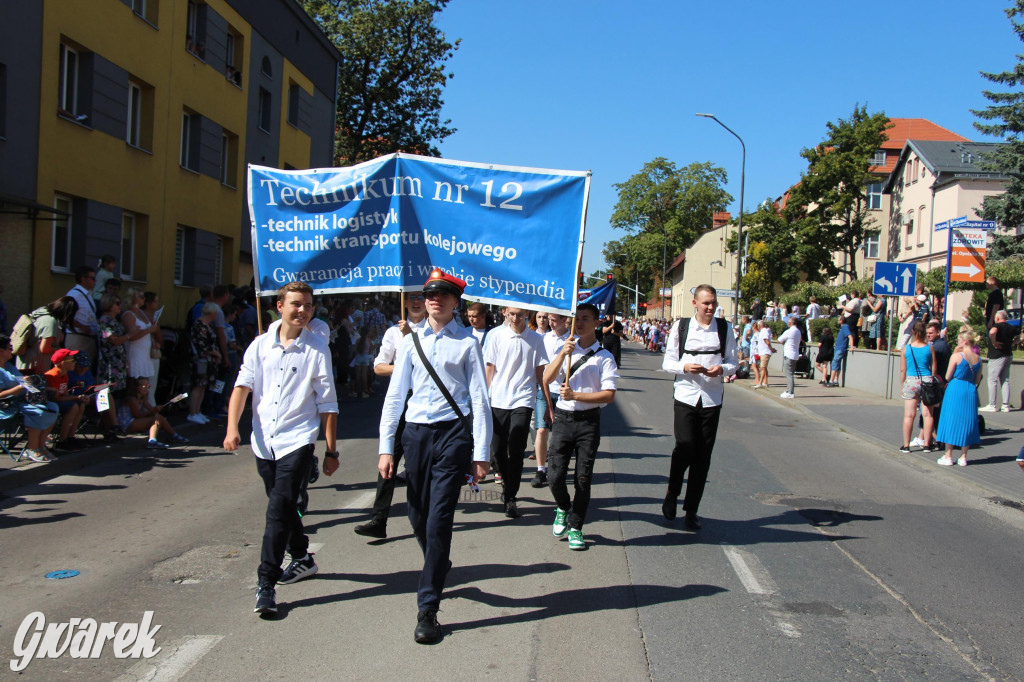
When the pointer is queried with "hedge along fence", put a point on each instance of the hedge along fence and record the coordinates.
(953, 328)
(1009, 272)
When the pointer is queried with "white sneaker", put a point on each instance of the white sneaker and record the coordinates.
(917, 443)
(786, 394)
(196, 419)
(988, 408)
(1005, 408)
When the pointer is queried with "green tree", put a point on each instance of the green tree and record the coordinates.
(757, 281)
(830, 206)
(391, 78)
(663, 201)
(1004, 117)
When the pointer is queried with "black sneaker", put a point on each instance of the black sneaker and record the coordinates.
(265, 602)
(428, 630)
(511, 511)
(298, 569)
(905, 449)
(540, 480)
(375, 528)
(314, 472)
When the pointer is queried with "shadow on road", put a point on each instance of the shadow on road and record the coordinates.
(568, 602)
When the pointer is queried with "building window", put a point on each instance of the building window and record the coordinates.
(293, 104)
(195, 28)
(871, 244)
(879, 158)
(68, 99)
(265, 108)
(190, 141)
(875, 195)
(910, 228)
(265, 67)
(134, 134)
(917, 165)
(127, 261)
(179, 256)
(60, 251)
(920, 218)
(228, 159)
(233, 56)
(147, 10)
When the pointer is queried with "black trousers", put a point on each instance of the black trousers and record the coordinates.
(437, 459)
(386, 486)
(578, 432)
(285, 480)
(508, 446)
(695, 428)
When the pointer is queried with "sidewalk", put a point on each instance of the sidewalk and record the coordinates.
(26, 472)
(879, 421)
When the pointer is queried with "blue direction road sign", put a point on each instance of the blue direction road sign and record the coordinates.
(895, 279)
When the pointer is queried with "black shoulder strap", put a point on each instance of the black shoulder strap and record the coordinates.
(582, 361)
(437, 380)
(684, 329)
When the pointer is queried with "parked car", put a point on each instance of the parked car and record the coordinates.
(1013, 316)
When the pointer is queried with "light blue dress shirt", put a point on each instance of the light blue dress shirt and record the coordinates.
(456, 357)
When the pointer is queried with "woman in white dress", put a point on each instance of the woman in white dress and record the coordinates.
(140, 336)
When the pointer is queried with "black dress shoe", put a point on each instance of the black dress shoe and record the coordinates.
(374, 528)
(692, 522)
(668, 507)
(428, 630)
(511, 511)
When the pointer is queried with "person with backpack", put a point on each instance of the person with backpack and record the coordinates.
(38, 334)
(38, 415)
(701, 351)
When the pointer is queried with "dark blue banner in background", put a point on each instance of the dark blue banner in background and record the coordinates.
(603, 297)
(514, 234)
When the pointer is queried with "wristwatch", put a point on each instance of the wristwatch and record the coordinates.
(332, 455)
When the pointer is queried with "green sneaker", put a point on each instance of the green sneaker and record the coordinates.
(576, 539)
(559, 527)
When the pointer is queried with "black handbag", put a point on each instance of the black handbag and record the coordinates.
(931, 391)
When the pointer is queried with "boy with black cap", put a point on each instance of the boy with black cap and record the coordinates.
(439, 449)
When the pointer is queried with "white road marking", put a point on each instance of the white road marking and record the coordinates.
(758, 582)
(750, 571)
(173, 661)
(636, 408)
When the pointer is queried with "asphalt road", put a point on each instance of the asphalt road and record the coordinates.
(822, 556)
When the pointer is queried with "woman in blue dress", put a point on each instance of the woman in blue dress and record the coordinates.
(958, 420)
(38, 418)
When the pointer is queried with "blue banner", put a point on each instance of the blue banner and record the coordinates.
(515, 235)
(603, 297)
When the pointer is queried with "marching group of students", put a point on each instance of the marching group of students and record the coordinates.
(460, 397)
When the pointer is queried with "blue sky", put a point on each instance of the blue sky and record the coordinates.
(608, 86)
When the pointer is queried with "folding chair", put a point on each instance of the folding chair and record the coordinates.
(11, 431)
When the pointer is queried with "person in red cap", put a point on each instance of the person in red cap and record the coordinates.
(439, 449)
(72, 407)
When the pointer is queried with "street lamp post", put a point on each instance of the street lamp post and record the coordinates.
(739, 236)
(664, 261)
